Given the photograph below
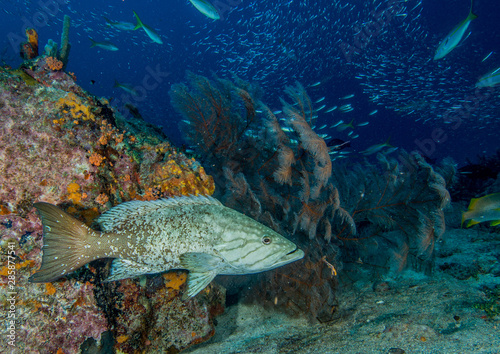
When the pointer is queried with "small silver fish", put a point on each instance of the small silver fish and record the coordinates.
(194, 233)
(486, 57)
(346, 108)
(337, 124)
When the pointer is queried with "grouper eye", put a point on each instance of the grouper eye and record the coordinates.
(266, 240)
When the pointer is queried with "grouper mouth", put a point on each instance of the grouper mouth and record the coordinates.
(290, 257)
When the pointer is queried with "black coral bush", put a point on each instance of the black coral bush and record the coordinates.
(217, 114)
(278, 171)
(407, 199)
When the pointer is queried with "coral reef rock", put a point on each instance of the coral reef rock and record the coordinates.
(60, 145)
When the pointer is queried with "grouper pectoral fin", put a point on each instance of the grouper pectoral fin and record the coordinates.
(202, 270)
(196, 282)
(124, 268)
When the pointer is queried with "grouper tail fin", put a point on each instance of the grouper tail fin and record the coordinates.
(67, 244)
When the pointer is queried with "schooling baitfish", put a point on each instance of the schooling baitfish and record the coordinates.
(194, 233)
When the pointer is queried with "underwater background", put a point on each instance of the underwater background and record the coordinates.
(334, 123)
(275, 43)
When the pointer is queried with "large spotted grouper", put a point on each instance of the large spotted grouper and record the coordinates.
(194, 233)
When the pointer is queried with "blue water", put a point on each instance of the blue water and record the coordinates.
(275, 43)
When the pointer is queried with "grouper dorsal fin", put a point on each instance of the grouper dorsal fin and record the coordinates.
(202, 270)
(126, 211)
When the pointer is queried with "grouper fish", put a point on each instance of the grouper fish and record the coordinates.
(144, 237)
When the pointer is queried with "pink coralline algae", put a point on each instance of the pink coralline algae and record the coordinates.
(48, 316)
(58, 144)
